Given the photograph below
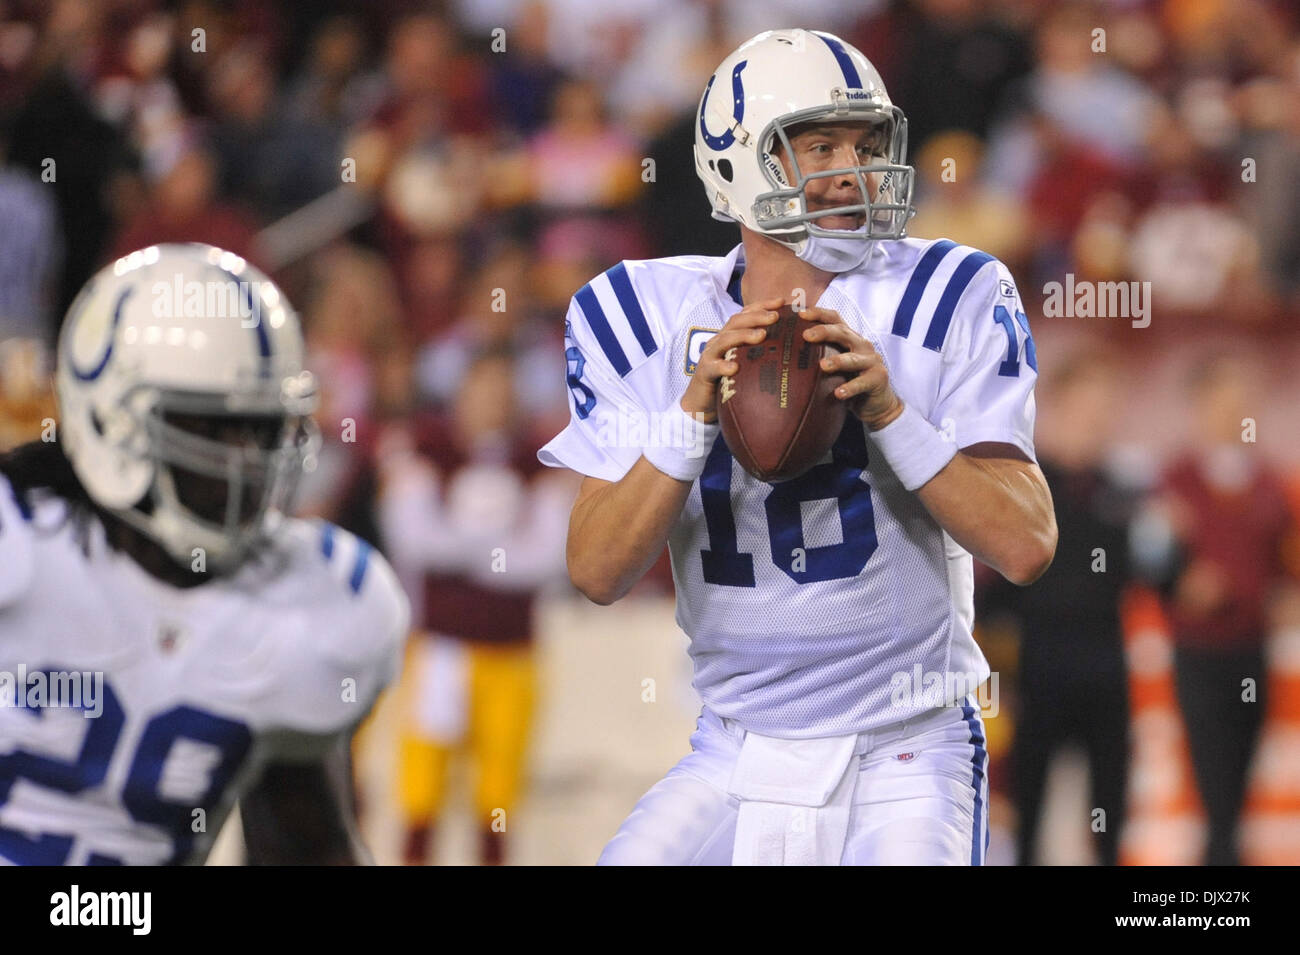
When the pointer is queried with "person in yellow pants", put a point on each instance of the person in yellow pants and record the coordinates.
(476, 527)
(473, 699)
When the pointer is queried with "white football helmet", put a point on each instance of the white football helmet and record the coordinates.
(776, 80)
(196, 332)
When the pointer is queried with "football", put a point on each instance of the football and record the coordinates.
(779, 413)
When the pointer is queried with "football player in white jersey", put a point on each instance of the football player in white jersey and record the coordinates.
(171, 641)
(830, 616)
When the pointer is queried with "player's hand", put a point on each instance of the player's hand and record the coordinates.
(870, 395)
(746, 327)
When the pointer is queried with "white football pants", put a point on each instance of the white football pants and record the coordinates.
(921, 797)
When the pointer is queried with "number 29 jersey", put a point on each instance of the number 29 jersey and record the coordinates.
(832, 603)
(171, 700)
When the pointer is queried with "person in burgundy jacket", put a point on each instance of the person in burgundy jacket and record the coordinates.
(1230, 519)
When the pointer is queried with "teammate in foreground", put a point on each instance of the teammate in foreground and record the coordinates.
(171, 642)
(830, 616)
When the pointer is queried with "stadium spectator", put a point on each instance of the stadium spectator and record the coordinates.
(1229, 512)
(31, 248)
(474, 531)
(185, 207)
(1072, 679)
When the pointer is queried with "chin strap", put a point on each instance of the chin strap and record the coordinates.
(835, 254)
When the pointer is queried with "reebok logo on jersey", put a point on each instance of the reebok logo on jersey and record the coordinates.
(905, 757)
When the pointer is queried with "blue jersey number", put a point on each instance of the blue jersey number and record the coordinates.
(87, 770)
(1010, 368)
(140, 794)
(584, 399)
(840, 479)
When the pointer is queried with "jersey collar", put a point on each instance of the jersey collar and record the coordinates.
(727, 275)
(731, 267)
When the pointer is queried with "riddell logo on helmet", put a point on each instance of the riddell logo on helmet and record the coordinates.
(213, 299)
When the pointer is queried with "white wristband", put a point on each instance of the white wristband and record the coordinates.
(680, 447)
(913, 448)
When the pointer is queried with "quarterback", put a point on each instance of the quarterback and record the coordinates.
(812, 604)
(233, 649)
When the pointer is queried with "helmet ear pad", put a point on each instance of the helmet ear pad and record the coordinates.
(114, 475)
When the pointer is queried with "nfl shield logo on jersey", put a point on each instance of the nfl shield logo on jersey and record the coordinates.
(169, 637)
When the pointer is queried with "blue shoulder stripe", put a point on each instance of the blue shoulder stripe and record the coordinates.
(632, 312)
(632, 308)
(359, 563)
(961, 278)
(916, 285)
(359, 567)
(587, 301)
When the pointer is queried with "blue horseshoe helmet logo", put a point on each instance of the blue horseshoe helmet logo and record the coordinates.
(737, 110)
(91, 374)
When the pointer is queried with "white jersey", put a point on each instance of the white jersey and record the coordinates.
(133, 714)
(832, 603)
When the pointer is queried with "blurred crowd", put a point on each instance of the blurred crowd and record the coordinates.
(434, 152)
(430, 183)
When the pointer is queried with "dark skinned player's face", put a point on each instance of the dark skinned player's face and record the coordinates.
(204, 494)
